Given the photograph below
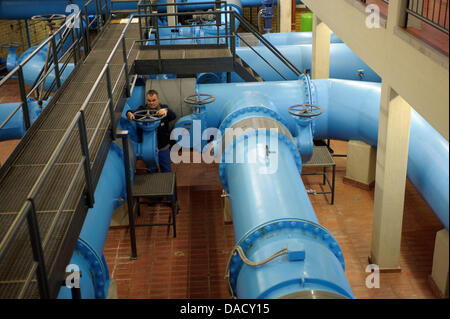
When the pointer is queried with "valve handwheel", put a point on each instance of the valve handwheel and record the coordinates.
(48, 17)
(199, 99)
(11, 45)
(147, 116)
(305, 110)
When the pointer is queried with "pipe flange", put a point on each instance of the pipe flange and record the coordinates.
(307, 228)
(282, 138)
(98, 267)
(267, 112)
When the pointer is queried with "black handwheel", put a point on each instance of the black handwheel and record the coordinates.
(147, 116)
(48, 17)
(305, 110)
(199, 99)
(11, 45)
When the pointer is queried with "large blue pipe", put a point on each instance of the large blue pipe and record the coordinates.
(15, 127)
(344, 64)
(350, 112)
(88, 255)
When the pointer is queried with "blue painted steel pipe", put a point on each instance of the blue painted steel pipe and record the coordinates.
(292, 38)
(350, 112)
(88, 254)
(23, 9)
(15, 127)
(344, 64)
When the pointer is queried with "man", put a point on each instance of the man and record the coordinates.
(152, 102)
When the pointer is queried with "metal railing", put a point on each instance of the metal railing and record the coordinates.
(74, 28)
(28, 209)
(277, 54)
(432, 12)
(149, 17)
(225, 28)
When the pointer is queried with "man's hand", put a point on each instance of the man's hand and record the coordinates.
(162, 112)
(130, 115)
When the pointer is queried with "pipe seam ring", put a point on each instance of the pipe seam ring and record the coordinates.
(281, 138)
(255, 123)
(308, 228)
(96, 264)
(267, 112)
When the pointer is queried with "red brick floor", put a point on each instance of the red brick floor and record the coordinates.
(192, 265)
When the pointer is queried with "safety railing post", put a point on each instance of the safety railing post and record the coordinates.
(38, 254)
(111, 103)
(233, 36)
(127, 78)
(23, 97)
(141, 35)
(55, 62)
(97, 15)
(88, 37)
(126, 160)
(72, 36)
(87, 163)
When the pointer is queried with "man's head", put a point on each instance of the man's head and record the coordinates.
(152, 99)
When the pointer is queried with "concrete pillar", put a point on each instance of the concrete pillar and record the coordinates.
(285, 15)
(361, 162)
(439, 273)
(390, 179)
(320, 50)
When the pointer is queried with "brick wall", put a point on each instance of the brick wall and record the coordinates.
(15, 31)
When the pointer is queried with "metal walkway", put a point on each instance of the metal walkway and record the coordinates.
(28, 161)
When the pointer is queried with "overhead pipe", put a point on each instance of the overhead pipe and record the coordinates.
(293, 38)
(23, 9)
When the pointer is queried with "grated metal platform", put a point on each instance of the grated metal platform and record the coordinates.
(27, 162)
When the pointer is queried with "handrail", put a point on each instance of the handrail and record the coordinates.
(284, 78)
(28, 210)
(19, 68)
(266, 43)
